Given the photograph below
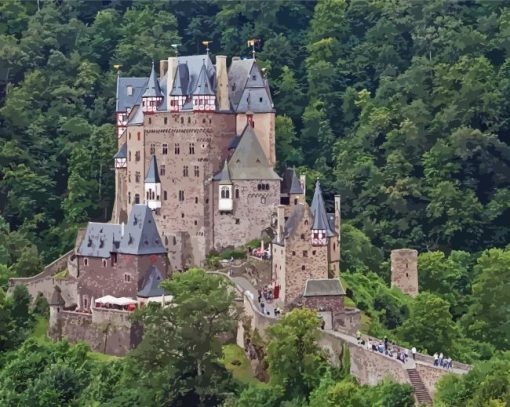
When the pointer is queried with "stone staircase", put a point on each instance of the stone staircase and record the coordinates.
(420, 391)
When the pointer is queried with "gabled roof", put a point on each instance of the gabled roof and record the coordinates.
(150, 284)
(323, 287)
(256, 100)
(153, 173)
(126, 100)
(203, 86)
(189, 69)
(237, 77)
(224, 175)
(320, 216)
(100, 240)
(122, 153)
(136, 115)
(141, 234)
(290, 183)
(248, 89)
(248, 162)
(152, 89)
(56, 297)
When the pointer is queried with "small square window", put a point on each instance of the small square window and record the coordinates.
(238, 221)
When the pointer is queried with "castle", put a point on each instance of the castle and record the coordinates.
(194, 173)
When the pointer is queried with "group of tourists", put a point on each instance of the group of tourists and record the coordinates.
(441, 361)
(266, 295)
(386, 348)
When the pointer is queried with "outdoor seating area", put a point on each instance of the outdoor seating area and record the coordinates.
(121, 303)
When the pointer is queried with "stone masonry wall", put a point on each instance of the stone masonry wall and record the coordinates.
(430, 375)
(43, 282)
(251, 215)
(404, 270)
(106, 331)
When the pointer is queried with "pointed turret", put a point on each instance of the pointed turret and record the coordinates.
(152, 97)
(153, 185)
(321, 228)
(204, 97)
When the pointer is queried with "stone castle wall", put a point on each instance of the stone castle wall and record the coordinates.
(251, 215)
(404, 270)
(43, 282)
(105, 331)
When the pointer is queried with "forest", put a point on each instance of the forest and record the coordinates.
(402, 107)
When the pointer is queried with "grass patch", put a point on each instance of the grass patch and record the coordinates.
(61, 275)
(101, 357)
(242, 371)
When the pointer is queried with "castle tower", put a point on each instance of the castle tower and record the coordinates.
(204, 98)
(56, 305)
(152, 185)
(404, 270)
(152, 97)
(321, 229)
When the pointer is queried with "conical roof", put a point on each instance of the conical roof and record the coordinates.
(320, 216)
(224, 175)
(122, 153)
(150, 284)
(152, 174)
(203, 86)
(153, 89)
(290, 183)
(181, 81)
(56, 297)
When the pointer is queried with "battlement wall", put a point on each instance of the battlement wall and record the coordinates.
(43, 282)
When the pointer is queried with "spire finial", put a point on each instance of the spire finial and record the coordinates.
(251, 43)
(176, 49)
(206, 44)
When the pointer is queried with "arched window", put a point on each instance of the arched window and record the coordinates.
(237, 194)
(259, 187)
(303, 267)
(267, 187)
(225, 193)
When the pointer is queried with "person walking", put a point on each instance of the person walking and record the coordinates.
(406, 354)
(441, 357)
(413, 352)
(385, 343)
(436, 357)
(358, 336)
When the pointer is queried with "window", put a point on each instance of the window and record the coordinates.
(305, 253)
(238, 221)
(153, 149)
(196, 199)
(130, 90)
(237, 194)
(138, 136)
(129, 197)
(306, 222)
(105, 263)
(129, 177)
(137, 199)
(150, 120)
(130, 156)
(225, 193)
(85, 262)
(302, 237)
(293, 253)
(197, 171)
(182, 215)
(127, 278)
(181, 196)
(185, 171)
(162, 170)
(177, 150)
(165, 120)
(165, 148)
(85, 302)
(137, 176)
(196, 223)
(303, 267)
(192, 148)
(130, 135)
(314, 252)
(260, 100)
(295, 201)
(254, 77)
(137, 156)
(267, 187)
(165, 196)
(182, 120)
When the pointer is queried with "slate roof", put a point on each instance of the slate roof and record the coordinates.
(124, 100)
(320, 216)
(234, 142)
(141, 234)
(152, 173)
(122, 153)
(181, 81)
(136, 115)
(248, 162)
(203, 85)
(224, 175)
(323, 287)
(294, 218)
(100, 240)
(248, 89)
(189, 69)
(150, 284)
(290, 183)
(56, 297)
(152, 89)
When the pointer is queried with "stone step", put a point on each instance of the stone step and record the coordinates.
(420, 391)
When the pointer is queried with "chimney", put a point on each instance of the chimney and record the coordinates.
(338, 214)
(172, 68)
(163, 67)
(222, 83)
(280, 216)
(302, 181)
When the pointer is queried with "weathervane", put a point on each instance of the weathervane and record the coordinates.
(176, 48)
(117, 67)
(251, 43)
(206, 45)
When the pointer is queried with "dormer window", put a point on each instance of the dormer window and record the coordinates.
(89, 243)
(130, 90)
